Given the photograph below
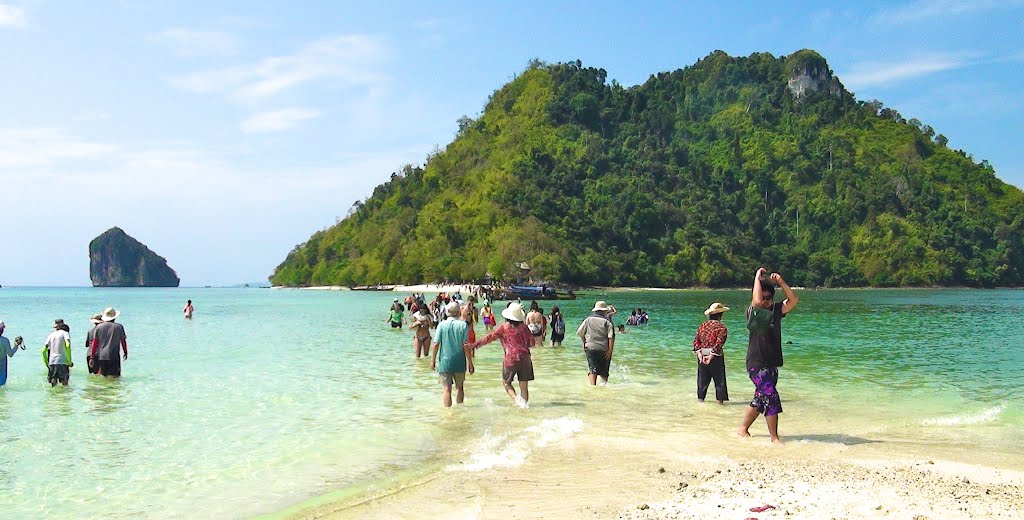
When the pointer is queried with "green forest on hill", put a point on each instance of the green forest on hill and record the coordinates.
(694, 178)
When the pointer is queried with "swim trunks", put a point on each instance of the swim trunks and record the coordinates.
(766, 396)
(58, 374)
(108, 368)
(396, 324)
(598, 362)
(448, 378)
(522, 370)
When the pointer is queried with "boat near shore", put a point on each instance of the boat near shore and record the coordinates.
(534, 292)
(377, 287)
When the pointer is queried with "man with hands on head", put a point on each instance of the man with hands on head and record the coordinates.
(764, 350)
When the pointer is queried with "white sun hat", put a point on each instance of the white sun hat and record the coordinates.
(514, 312)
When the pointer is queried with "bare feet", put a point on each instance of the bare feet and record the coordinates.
(743, 433)
(776, 441)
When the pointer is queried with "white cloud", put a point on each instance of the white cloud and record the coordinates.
(344, 60)
(45, 146)
(923, 9)
(879, 73)
(187, 42)
(277, 120)
(11, 16)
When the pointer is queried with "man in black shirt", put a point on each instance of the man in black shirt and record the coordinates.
(764, 350)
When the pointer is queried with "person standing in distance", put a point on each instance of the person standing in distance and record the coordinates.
(6, 350)
(764, 350)
(707, 346)
(57, 354)
(598, 335)
(188, 310)
(107, 338)
(96, 319)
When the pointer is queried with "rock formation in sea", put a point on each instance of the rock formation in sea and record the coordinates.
(118, 260)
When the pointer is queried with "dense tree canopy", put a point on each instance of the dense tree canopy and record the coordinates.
(694, 178)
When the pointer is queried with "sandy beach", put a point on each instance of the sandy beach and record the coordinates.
(593, 476)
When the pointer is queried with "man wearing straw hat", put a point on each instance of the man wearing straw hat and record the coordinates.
(107, 338)
(598, 335)
(517, 341)
(707, 345)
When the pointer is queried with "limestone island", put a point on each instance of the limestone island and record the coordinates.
(118, 260)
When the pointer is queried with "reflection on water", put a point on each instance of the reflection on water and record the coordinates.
(104, 395)
(58, 403)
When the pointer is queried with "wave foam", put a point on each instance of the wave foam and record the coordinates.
(985, 416)
(507, 451)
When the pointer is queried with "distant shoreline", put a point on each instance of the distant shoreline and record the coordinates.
(465, 288)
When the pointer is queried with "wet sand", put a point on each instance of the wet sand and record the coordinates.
(590, 476)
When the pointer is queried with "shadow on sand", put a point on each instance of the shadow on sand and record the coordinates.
(833, 438)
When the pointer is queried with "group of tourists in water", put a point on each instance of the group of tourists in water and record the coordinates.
(102, 344)
(453, 345)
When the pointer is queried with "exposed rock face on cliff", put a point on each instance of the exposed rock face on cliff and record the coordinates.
(118, 260)
(808, 74)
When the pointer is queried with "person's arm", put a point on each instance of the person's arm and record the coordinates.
(791, 298)
(46, 354)
(611, 340)
(755, 296)
(94, 346)
(495, 334)
(433, 355)
(124, 346)
(583, 336)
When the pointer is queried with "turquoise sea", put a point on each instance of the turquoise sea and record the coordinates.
(269, 398)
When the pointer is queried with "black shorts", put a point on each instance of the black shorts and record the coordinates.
(58, 374)
(396, 324)
(108, 367)
(522, 370)
(598, 362)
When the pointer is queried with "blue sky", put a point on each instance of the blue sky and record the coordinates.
(221, 134)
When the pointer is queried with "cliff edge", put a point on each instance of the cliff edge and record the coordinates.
(118, 260)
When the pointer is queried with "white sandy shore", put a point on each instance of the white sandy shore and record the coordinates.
(434, 288)
(594, 476)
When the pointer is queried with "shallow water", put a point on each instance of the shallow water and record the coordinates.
(270, 397)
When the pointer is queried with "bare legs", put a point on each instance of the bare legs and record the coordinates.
(446, 394)
(524, 391)
(751, 415)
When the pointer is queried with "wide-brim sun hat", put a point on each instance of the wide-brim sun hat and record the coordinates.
(715, 308)
(600, 306)
(96, 319)
(109, 314)
(514, 312)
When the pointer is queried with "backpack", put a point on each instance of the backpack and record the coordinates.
(558, 326)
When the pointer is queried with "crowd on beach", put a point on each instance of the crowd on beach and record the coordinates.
(453, 344)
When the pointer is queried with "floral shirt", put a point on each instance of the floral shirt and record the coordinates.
(711, 334)
(516, 341)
